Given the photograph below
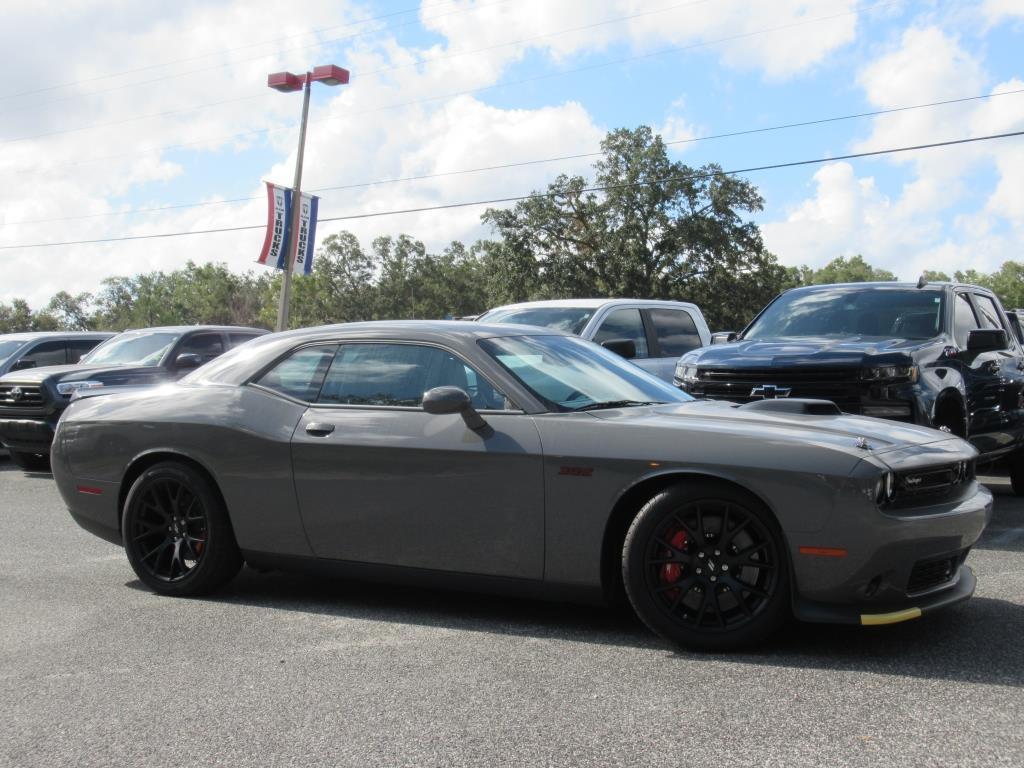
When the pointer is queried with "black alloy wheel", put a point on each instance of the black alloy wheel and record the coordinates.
(31, 462)
(704, 566)
(176, 532)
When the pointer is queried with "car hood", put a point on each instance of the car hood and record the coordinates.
(850, 351)
(841, 431)
(112, 374)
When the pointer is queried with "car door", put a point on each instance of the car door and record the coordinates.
(675, 333)
(41, 355)
(381, 481)
(626, 323)
(997, 384)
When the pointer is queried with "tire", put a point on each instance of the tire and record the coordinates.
(1016, 462)
(31, 462)
(177, 533)
(697, 585)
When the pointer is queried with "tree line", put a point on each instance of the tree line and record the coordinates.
(643, 226)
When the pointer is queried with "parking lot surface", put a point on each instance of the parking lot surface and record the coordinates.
(284, 669)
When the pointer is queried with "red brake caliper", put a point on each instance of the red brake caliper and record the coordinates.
(670, 572)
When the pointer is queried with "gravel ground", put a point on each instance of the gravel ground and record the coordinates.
(295, 670)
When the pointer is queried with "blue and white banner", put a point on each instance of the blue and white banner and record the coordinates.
(279, 230)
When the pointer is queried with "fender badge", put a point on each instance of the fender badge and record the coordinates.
(862, 443)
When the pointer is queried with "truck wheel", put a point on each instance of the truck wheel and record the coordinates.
(31, 462)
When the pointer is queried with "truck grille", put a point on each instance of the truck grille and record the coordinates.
(927, 574)
(21, 395)
(838, 385)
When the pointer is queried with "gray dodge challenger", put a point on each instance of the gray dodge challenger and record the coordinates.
(515, 459)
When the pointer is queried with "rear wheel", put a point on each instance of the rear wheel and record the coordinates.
(704, 566)
(176, 532)
(33, 462)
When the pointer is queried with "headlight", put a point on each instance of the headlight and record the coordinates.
(885, 488)
(686, 373)
(68, 388)
(890, 372)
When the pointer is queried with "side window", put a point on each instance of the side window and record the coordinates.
(78, 347)
(47, 353)
(206, 345)
(989, 315)
(624, 324)
(677, 333)
(399, 374)
(301, 374)
(234, 339)
(963, 320)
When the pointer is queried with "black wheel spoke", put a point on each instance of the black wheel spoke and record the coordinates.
(168, 526)
(756, 591)
(691, 534)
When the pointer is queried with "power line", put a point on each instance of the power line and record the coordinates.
(466, 92)
(518, 198)
(417, 62)
(316, 31)
(520, 164)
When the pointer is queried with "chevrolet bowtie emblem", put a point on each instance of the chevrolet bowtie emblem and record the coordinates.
(770, 391)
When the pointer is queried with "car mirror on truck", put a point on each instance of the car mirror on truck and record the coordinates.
(623, 347)
(723, 337)
(188, 360)
(986, 340)
(446, 400)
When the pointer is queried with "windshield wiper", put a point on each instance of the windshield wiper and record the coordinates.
(617, 404)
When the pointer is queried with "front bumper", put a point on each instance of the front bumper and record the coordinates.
(26, 435)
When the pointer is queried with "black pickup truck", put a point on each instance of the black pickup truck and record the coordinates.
(944, 355)
(32, 400)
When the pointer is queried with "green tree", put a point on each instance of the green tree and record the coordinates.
(16, 317)
(843, 270)
(1007, 283)
(340, 288)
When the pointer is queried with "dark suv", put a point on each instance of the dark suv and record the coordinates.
(36, 349)
(32, 400)
(938, 354)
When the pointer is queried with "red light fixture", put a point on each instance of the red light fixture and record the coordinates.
(328, 74)
(286, 81)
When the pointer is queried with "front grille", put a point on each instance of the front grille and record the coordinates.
(21, 395)
(927, 574)
(930, 484)
(840, 385)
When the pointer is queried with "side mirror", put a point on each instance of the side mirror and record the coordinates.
(986, 340)
(446, 400)
(723, 337)
(188, 360)
(622, 347)
(21, 365)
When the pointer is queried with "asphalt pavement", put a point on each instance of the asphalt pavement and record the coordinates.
(282, 670)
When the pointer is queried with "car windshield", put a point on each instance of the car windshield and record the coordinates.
(569, 374)
(569, 319)
(132, 348)
(8, 348)
(844, 311)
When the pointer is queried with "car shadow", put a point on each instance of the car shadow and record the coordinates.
(1005, 531)
(976, 642)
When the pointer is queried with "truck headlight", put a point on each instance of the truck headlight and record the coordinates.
(686, 373)
(68, 388)
(891, 373)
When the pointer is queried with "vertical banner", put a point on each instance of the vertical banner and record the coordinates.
(278, 226)
(302, 249)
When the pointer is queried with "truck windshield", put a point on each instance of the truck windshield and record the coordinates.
(132, 348)
(569, 319)
(569, 374)
(852, 311)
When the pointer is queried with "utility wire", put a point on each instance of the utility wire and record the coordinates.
(417, 62)
(318, 31)
(520, 164)
(541, 195)
(506, 84)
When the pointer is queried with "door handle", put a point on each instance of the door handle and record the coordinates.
(319, 429)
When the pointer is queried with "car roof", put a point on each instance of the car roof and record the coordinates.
(34, 335)
(596, 303)
(465, 329)
(186, 328)
(890, 284)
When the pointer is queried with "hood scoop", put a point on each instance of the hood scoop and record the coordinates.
(798, 405)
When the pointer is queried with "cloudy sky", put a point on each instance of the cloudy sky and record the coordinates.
(120, 118)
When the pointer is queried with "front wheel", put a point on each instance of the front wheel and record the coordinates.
(31, 462)
(704, 566)
(176, 532)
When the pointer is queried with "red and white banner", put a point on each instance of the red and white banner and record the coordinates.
(279, 230)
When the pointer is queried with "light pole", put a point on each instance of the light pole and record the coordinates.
(286, 82)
